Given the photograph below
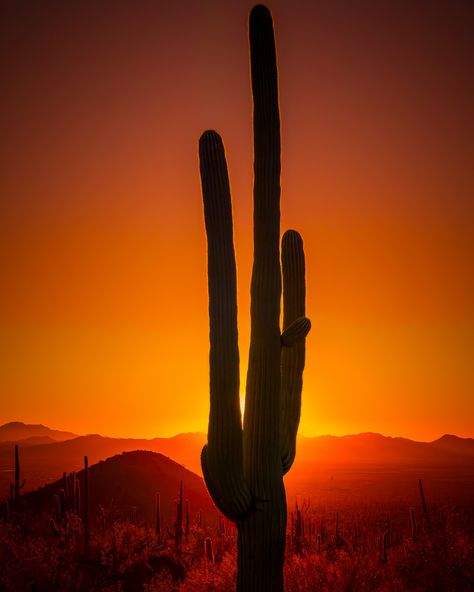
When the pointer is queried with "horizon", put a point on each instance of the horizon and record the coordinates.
(204, 431)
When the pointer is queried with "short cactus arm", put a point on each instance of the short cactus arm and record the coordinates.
(222, 457)
(295, 332)
(295, 328)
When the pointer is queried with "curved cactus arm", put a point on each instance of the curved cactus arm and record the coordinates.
(239, 504)
(222, 458)
(296, 332)
(295, 328)
(262, 406)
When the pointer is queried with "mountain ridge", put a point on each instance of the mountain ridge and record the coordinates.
(18, 431)
(43, 462)
(40, 426)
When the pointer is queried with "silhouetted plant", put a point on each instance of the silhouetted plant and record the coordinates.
(77, 497)
(158, 515)
(55, 530)
(72, 492)
(85, 514)
(177, 531)
(244, 468)
(221, 529)
(208, 551)
(18, 484)
(297, 529)
(423, 503)
(382, 544)
(414, 526)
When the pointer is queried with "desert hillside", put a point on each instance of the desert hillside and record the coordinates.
(126, 486)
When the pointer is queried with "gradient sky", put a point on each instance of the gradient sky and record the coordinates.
(103, 303)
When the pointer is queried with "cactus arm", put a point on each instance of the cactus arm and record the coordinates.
(239, 507)
(295, 328)
(296, 332)
(262, 407)
(222, 458)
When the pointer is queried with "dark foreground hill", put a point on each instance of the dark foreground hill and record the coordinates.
(126, 485)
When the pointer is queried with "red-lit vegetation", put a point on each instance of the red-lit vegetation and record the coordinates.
(372, 552)
(357, 548)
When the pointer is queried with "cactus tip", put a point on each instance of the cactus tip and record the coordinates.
(260, 11)
(292, 236)
(210, 136)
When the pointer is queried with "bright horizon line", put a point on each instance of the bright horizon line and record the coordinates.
(341, 435)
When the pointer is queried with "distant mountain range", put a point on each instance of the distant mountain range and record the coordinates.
(126, 485)
(30, 434)
(370, 448)
(43, 461)
(371, 468)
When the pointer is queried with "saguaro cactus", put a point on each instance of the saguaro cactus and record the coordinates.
(18, 483)
(85, 517)
(244, 468)
(158, 515)
(177, 531)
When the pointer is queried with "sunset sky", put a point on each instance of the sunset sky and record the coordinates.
(103, 305)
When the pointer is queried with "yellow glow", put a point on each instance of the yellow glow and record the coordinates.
(242, 405)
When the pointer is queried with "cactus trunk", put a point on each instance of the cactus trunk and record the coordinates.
(244, 468)
(86, 507)
(179, 517)
(15, 490)
(17, 475)
(261, 548)
(158, 515)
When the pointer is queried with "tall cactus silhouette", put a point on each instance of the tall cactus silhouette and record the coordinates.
(244, 468)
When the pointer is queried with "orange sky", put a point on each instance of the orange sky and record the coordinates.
(104, 301)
